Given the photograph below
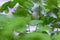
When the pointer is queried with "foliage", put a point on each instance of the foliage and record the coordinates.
(14, 27)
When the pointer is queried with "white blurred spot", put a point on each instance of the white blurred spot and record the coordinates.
(35, 6)
(12, 9)
(57, 29)
(2, 2)
(3, 13)
(58, 23)
(16, 33)
(44, 13)
(49, 33)
(53, 15)
(42, 0)
(50, 25)
(31, 28)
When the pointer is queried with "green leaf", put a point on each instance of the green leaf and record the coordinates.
(37, 36)
(43, 28)
(4, 7)
(34, 22)
(51, 4)
(20, 11)
(26, 4)
(57, 37)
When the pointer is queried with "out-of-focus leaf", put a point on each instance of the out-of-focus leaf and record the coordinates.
(43, 28)
(34, 22)
(57, 37)
(58, 3)
(12, 4)
(37, 36)
(26, 3)
(4, 7)
(51, 4)
(20, 11)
